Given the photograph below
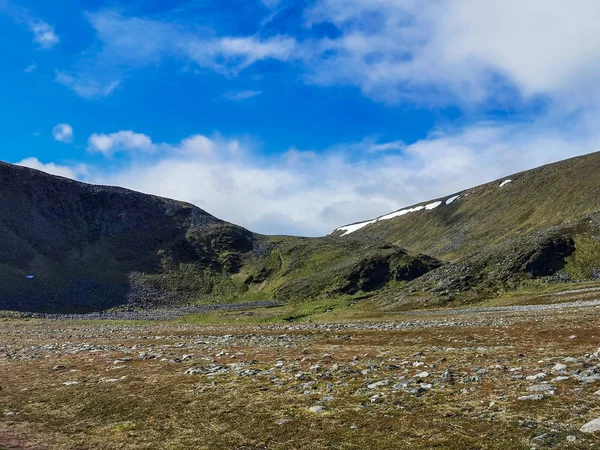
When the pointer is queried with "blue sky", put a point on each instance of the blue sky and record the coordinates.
(297, 116)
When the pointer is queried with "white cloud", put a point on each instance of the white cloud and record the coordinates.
(241, 95)
(464, 51)
(43, 34)
(126, 140)
(312, 193)
(387, 146)
(63, 132)
(30, 68)
(128, 43)
(73, 172)
(86, 87)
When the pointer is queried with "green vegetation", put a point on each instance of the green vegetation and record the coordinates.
(584, 264)
(93, 248)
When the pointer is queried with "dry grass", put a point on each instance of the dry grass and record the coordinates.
(157, 405)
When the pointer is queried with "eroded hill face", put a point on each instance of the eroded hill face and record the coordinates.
(69, 246)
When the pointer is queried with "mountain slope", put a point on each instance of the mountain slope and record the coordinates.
(537, 223)
(70, 246)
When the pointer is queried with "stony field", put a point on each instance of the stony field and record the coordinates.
(495, 378)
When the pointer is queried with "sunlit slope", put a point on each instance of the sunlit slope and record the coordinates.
(453, 227)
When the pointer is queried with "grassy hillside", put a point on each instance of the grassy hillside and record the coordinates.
(542, 226)
(70, 246)
(538, 199)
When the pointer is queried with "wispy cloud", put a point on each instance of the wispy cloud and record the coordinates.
(241, 95)
(460, 52)
(43, 34)
(63, 132)
(387, 146)
(30, 68)
(86, 87)
(129, 43)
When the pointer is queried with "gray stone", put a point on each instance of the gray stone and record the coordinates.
(317, 409)
(534, 397)
(541, 388)
(591, 427)
(379, 384)
(537, 377)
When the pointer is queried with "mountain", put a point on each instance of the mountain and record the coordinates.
(535, 224)
(70, 246)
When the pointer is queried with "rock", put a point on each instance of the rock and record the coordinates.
(192, 371)
(571, 438)
(586, 379)
(59, 367)
(537, 377)
(541, 388)
(591, 427)
(534, 397)
(559, 368)
(317, 409)
(423, 375)
(597, 393)
(114, 380)
(570, 359)
(448, 377)
(70, 383)
(379, 384)
(558, 379)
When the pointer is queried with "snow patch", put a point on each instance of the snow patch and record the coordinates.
(401, 213)
(352, 228)
(505, 182)
(452, 199)
(432, 205)
(347, 229)
(30, 277)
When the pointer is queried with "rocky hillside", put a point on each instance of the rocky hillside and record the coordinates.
(70, 246)
(539, 224)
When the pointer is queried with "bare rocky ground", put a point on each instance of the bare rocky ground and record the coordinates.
(511, 378)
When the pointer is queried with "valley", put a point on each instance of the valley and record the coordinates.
(516, 377)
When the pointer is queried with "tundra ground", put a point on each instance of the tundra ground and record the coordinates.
(509, 379)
